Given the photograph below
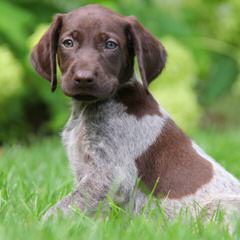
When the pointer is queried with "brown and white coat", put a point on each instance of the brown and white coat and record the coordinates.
(129, 137)
(117, 133)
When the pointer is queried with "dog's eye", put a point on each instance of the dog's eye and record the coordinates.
(68, 43)
(110, 44)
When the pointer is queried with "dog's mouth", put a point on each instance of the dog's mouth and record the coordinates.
(81, 97)
(86, 97)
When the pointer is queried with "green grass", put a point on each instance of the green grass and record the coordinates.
(34, 177)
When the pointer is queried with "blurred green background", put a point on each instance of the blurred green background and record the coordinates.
(200, 86)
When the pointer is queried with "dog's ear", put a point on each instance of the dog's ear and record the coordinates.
(150, 52)
(43, 57)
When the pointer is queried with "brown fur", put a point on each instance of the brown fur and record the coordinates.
(138, 100)
(89, 70)
(172, 162)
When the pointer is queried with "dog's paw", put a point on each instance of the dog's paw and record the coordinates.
(51, 212)
(55, 211)
(63, 208)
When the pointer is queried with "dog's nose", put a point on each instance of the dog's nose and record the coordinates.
(84, 78)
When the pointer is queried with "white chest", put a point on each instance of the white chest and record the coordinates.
(108, 136)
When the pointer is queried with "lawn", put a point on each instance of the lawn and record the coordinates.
(34, 177)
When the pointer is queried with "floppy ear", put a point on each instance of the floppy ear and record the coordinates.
(43, 57)
(150, 52)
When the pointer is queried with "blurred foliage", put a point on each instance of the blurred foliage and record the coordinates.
(200, 84)
(174, 88)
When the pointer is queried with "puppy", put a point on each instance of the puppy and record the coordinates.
(119, 142)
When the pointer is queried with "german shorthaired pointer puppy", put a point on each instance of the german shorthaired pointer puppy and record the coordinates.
(119, 142)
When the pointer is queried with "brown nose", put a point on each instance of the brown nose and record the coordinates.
(84, 79)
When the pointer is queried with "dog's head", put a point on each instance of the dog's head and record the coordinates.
(95, 48)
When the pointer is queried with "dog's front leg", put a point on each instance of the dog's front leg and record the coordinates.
(92, 189)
